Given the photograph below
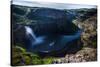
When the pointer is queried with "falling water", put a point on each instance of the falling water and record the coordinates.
(35, 40)
(30, 32)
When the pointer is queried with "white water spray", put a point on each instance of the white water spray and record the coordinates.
(29, 31)
(35, 40)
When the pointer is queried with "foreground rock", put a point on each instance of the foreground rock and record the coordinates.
(84, 55)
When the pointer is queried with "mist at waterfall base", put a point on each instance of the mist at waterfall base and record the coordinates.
(46, 44)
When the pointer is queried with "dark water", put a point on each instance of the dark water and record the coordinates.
(49, 43)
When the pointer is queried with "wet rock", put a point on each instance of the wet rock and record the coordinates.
(18, 34)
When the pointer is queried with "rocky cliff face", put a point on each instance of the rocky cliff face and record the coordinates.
(45, 20)
(89, 27)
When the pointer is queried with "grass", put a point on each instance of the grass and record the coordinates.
(21, 57)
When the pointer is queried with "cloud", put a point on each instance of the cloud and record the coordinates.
(52, 5)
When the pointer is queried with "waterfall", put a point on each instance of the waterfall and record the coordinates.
(34, 40)
(30, 32)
